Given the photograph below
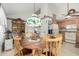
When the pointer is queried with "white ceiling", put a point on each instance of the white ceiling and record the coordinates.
(14, 8)
(26, 9)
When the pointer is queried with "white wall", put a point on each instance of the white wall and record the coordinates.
(44, 10)
(61, 9)
(9, 24)
(23, 16)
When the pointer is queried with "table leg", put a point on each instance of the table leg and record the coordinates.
(33, 52)
(50, 48)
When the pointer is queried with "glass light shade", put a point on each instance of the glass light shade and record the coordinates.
(33, 21)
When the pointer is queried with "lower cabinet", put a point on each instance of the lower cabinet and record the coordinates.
(70, 37)
(77, 40)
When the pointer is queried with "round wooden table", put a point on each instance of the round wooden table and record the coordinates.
(40, 45)
(33, 45)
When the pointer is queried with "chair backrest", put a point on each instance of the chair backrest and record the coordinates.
(55, 44)
(17, 43)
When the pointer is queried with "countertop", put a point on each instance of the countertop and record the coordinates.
(69, 30)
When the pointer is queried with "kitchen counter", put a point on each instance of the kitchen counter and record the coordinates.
(65, 30)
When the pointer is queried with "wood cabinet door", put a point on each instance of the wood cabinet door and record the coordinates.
(77, 40)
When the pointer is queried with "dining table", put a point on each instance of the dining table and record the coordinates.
(40, 45)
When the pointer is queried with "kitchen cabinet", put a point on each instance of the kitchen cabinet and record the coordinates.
(70, 37)
(18, 26)
(77, 40)
(63, 23)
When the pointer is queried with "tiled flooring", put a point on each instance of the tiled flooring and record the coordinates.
(66, 50)
(69, 49)
(9, 53)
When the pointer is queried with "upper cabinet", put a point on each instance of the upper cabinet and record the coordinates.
(64, 22)
(18, 26)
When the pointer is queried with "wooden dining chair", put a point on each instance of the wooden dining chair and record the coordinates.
(17, 46)
(45, 51)
(31, 35)
(53, 45)
(56, 46)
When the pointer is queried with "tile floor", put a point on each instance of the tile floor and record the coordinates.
(67, 49)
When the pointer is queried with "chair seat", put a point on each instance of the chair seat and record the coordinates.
(46, 49)
(21, 48)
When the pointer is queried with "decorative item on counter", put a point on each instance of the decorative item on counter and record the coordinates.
(71, 11)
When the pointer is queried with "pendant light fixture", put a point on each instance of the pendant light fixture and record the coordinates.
(34, 7)
(34, 15)
(67, 7)
(34, 20)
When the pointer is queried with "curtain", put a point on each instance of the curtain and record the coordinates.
(3, 25)
(3, 20)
